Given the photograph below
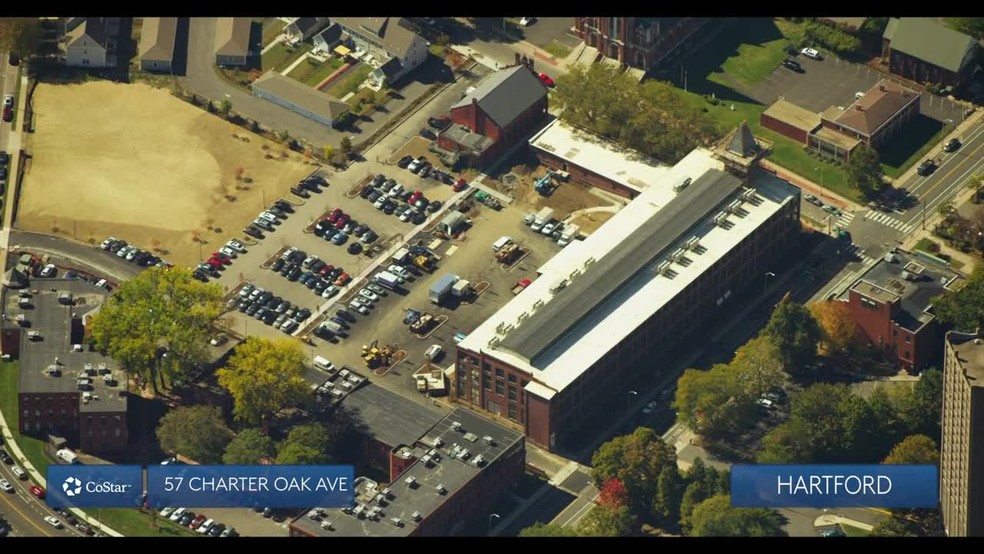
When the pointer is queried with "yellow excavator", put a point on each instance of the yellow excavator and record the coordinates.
(375, 356)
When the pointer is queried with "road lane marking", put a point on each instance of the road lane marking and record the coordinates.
(42, 530)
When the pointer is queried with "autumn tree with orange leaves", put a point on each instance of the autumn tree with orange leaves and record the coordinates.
(837, 324)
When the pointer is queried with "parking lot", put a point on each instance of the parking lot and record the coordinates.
(834, 82)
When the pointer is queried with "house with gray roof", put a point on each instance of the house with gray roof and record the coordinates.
(157, 37)
(300, 98)
(378, 40)
(303, 28)
(232, 40)
(90, 41)
(505, 108)
(923, 50)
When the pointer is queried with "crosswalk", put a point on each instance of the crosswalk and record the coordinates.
(857, 252)
(845, 219)
(889, 221)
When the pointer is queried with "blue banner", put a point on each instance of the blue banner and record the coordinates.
(194, 486)
(835, 486)
(94, 486)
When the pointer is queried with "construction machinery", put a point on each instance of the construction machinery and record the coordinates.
(508, 253)
(424, 263)
(411, 317)
(543, 186)
(423, 324)
(375, 356)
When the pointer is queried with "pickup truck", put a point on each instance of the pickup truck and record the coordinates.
(522, 284)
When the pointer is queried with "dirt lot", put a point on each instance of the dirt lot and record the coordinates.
(134, 162)
(567, 197)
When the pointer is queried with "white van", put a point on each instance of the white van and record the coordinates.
(68, 456)
(433, 352)
(19, 473)
(499, 244)
(324, 364)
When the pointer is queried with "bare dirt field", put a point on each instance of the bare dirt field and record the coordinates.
(566, 198)
(135, 162)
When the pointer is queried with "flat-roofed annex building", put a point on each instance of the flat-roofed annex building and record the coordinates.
(604, 308)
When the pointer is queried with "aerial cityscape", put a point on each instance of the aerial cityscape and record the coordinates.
(492, 277)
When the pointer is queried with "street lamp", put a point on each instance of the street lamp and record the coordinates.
(491, 517)
(632, 394)
(767, 275)
(820, 169)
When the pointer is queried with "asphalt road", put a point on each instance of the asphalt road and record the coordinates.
(8, 81)
(88, 257)
(25, 513)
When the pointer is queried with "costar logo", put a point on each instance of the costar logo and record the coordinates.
(72, 486)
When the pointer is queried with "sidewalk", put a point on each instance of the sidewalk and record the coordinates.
(830, 519)
(808, 186)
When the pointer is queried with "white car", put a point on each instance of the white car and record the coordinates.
(228, 252)
(369, 295)
(397, 189)
(122, 252)
(329, 291)
(289, 326)
(53, 521)
(205, 526)
(414, 165)
(309, 260)
(526, 21)
(167, 511)
(48, 271)
(290, 252)
(236, 245)
(8, 100)
(812, 53)
(101, 283)
(105, 244)
(399, 271)
(246, 290)
(271, 217)
(176, 514)
(5, 486)
(407, 214)
(549, 228)
(358, 306)
(378, 204)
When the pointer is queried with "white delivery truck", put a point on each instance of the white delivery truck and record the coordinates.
(542, 218)
(388, 280)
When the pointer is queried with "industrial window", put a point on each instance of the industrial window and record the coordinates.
(512, 377)
(499, 372)
(908, 339)
(512, 393)
(512, 412)
(486, 366)
(487, 383)
(500, 387)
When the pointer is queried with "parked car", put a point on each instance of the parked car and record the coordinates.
(812, 53)
(546, 80)
(424, 171)
(440, 123)
(415, 165)
(428, 134)
(284, 205)
(300, 191)
(926, 168)
(792, 64)
(814, 200)
(404, 162)
(951, 145)
(460, 185)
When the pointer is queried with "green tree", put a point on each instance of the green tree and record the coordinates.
(758, 367)
(605, 521)
(795, 334)
(249, 447)
(547, 530)
(910, 523)
(264, 377)
(20, 34)
(914, 449)
(636, 460)
(784, 445)
(715, 517)
(925, 412)
(346, 146)
(973, 26)
(703, 482)
(864, 171)
(305, 445)
(196, 432)
(157, 324)
(964, 309)
(713, 403)
(328, 151)
(669, 495)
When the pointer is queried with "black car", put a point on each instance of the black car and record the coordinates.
(373, 196)
(286, 268)
(311, 283)
(389, 208)
(366, 191)
(294, 274)
(187, 518)
(792, 64)
(345, 315)
(5, 458)
(317, 265)
(439, 123)
(216, 530)
(284, 205)
(418, 218)
(302, 314)
(951, 145)
(310, 185)
(253, 231)
(4, 157)
(335, 273)
(404, 162)
(245, 305)
(115, 246)
(200, 275)
(355, 248)
(277, 211)
(359, 229)
(318, 180)
(378, 180)
(300, 191)
(434, 206)
(428, 134)
(269, 317)
(926, 168)
(278, 264)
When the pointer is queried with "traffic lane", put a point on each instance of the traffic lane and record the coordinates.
(92, 258)
(545, 30)
(25, 512)
(948, 179)
(970, 150)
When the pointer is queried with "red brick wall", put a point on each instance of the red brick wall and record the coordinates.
(474, 118)
(783, 128)
(917, 70)
(581, 175)
(10, 342)
(42, 414)
(397, 465)
(102, 432)
(928, 346)
(538, 420)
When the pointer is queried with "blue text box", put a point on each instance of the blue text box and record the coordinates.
(94, 486)
(835, 486)
(194, 486)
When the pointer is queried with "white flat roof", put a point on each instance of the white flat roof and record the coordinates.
(608, 159)
(642, 296)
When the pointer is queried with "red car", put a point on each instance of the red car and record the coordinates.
(415, 196)
(8, 113)
(342, 220)
(460, 185)
(197, 522)
(221, 257)
(216, 263)
(342, 280)
(546, 80)
(37, 491)
(335, 215)
(326, 270)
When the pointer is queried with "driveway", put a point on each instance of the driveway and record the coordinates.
(203, 79)
(75, 254)
(548, 29)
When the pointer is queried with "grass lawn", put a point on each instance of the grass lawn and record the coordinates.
(902, 151)
(794, 32)
(311, 71)
(282, 55)
(754, 62)
(557, 49)
(271, 28)
(350, 82)
(925, 244)
(134, 523)
(852, 531)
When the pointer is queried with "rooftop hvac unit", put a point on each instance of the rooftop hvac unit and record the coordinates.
(426, 459)
(479, 461)
(441, 489)
(663, 267)
(397, 521)
(411, 481)
(360, 510)
(387, 493)
(416, 516)
(488, 440)
(679, 255)
(471, 437)
(682, 185)
(735, 206)
(720, 219)
(456, 425)
(589, 261)
(693, 243)
(438, 442)
(326, 525)
(748, 194)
